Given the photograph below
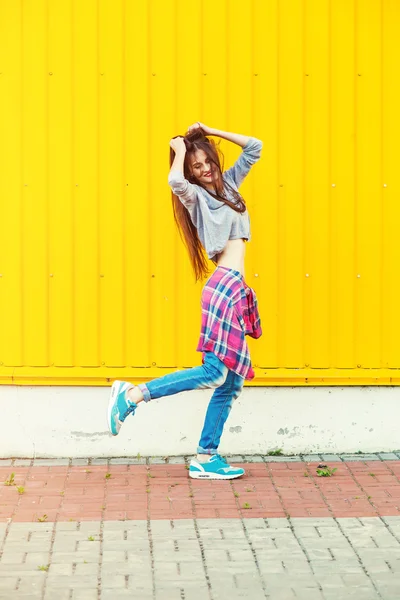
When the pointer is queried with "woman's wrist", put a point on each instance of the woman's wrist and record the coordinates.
(212, 131)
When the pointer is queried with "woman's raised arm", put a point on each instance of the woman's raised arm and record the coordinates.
(236, 138)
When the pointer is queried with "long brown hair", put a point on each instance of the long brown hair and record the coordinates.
(196, 140)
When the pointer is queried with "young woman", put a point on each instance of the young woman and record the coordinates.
(211, 216)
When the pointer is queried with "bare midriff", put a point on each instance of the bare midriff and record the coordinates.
(233, 254)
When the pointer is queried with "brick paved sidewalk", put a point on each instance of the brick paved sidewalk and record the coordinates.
(119, 530)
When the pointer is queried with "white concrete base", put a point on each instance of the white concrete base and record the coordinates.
(71, 422)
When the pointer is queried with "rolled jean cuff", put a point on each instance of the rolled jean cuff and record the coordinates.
(145, 391)
(201, 450)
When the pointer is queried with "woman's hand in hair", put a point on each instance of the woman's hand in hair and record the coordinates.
(206, 130)
(177, 144)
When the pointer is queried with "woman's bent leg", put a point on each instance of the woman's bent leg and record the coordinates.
(211, 374)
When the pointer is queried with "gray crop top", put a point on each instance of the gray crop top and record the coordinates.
(216, 222)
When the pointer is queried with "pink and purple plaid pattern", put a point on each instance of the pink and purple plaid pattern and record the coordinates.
(229, 313)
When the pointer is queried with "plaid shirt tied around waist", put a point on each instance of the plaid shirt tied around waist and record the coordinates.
(229, 312)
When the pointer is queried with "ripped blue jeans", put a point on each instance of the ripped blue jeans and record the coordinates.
(211, 374)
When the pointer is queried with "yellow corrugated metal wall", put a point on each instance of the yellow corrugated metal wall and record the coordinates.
(95, 282)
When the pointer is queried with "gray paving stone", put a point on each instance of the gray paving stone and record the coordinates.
(89, 594)
(10, 557)
(23, 462)
(62, 568)
(140, 567)
(358, 457)
(268, 458)
(358, 594)
(303, 581)
(129, 461)
(157, 460)
(255, 458)
(8, 583)
(66, 526)
(234, 458)
(270, 566)
(349, 523)
(99, 461)
(311, 457)
(331, 458)
(86, 569)
(176, 460)
(79, 462)
(309, 594)
(50, 462)
(372, 522)
(121, 594)
(37, 558)
(6, 462)
(54, 592)
(276, 523)
(388, 456)
(74, 557)
(73, 582)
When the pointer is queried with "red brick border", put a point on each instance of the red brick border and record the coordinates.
(271, 489)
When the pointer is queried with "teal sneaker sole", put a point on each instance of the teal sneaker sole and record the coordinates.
(112, 410)
(204, 475)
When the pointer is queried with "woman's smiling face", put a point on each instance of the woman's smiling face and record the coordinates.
(202, 168)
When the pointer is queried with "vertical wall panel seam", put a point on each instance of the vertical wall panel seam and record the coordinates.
(23, 195)
(201, 76)
(252, 120)
(177, 328)
(278, 194)
(382, 197)
(124, 184)
(355, 171)
(47, 210)
(149, 188)
(73, 207)
(227, 21)
(304, 205)
(98, 192)
(330, 192)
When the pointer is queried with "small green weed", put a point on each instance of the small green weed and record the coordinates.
(43, 567)
(90, 538)
(306, 474)
(246, 505)
(10, 480)
(277, 452)
(325, 471)
(42, 519)
(107, 475)
(372, 474)
(236, 494)
(20, 490)
(249, 490)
